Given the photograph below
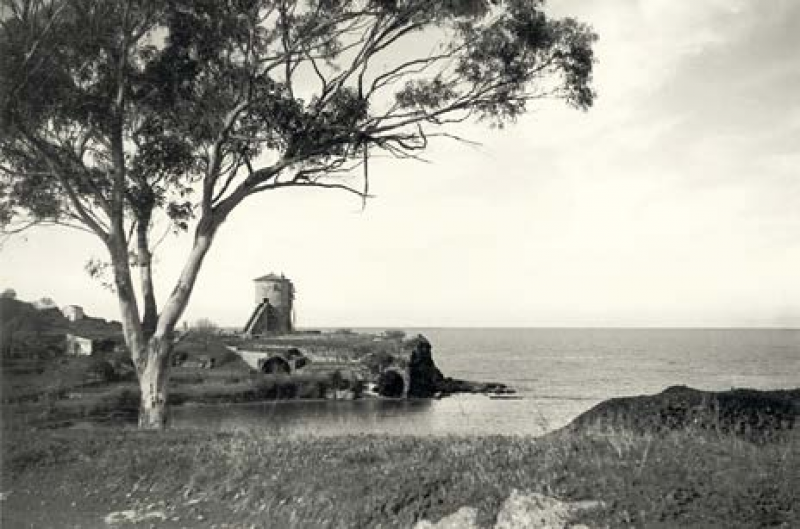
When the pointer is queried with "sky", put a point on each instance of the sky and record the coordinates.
(673, 202)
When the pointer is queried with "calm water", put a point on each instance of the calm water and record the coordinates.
(559, 373)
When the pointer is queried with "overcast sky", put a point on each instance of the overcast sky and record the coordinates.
(675, 201)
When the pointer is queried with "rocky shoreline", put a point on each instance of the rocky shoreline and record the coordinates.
(389, 364)
(747, 413)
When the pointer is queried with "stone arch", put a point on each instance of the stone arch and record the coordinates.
(293, 352)
(394, 382)
(276, 365)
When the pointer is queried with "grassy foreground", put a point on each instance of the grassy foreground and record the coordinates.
(199, 479)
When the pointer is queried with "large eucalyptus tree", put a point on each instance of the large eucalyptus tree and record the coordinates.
(115, 113)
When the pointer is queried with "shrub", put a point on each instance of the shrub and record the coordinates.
(338, 381)
(101, 371)
(358, 387)
(378, 361)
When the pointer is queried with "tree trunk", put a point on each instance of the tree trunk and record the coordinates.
(153, 384)
(128, 306)
(179, 298)
(151, 344)
(145, 264)
(154, 364)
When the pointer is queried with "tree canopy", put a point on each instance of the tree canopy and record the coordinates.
(246, 96)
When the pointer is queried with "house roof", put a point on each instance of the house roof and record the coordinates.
(96, 335)
(271, 277)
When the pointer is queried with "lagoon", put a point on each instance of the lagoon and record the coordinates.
(558, 373)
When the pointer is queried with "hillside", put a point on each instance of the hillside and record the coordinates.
(27, 330)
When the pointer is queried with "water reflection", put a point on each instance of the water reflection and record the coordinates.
(457, 415)
(310, 417)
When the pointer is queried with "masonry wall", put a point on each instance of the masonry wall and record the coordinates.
(280, 294)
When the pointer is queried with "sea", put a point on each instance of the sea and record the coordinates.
(557, 375)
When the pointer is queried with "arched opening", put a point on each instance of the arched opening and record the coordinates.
(276, 366)
(391, 384)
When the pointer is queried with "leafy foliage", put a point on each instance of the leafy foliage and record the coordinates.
(203, 90)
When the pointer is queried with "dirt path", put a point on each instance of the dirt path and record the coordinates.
(39, 504)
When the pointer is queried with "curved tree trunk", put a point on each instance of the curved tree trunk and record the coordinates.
(150, 339)
(154, 364)
(145, 265)
(153, 384)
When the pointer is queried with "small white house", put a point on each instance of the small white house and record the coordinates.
(73, 312)
(79, 345)
(87, 343)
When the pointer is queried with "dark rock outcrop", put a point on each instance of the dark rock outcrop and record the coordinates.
(426, 380)
(424, 377)
(748, 413)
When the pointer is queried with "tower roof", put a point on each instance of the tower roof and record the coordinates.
(271, 277)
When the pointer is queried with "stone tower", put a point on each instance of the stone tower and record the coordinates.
(274, 311)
